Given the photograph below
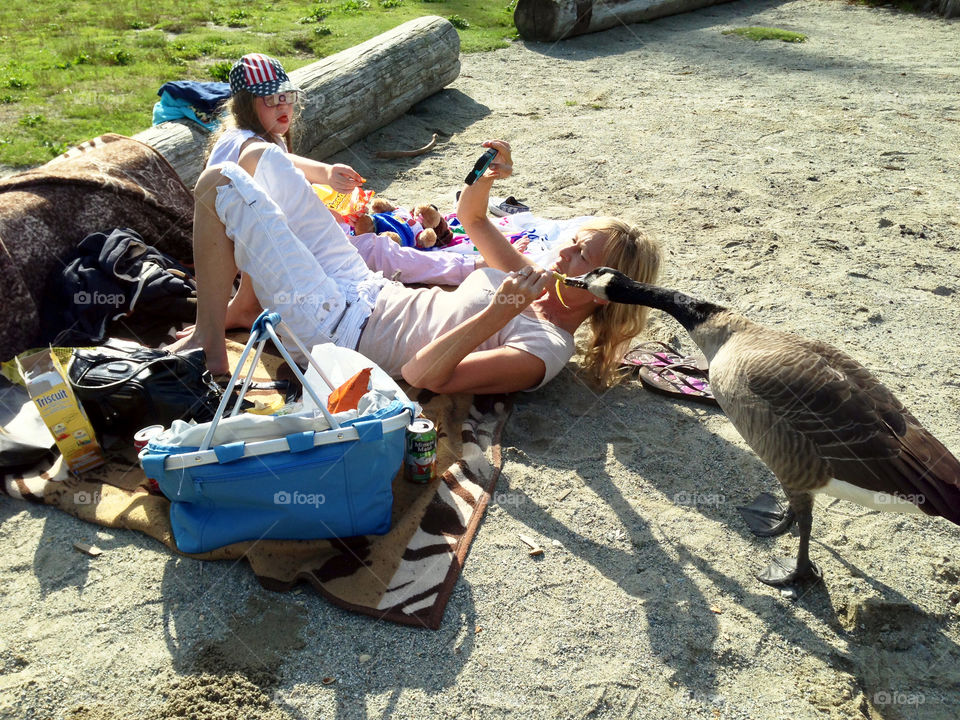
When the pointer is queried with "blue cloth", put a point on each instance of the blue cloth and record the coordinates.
(205, 96)
(385, 222)
(171, 108)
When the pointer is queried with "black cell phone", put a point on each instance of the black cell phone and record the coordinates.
(480, 167)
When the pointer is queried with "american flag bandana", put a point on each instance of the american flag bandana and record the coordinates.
(260, 75)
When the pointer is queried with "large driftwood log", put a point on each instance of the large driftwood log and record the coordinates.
(549, 20)
(947, 8)
(182, 142)
(346, 96)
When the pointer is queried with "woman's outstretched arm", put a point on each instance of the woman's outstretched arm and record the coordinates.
(472, 213)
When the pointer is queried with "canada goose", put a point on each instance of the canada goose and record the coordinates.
(818, 419)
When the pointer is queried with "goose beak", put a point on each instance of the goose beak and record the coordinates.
(577, 282)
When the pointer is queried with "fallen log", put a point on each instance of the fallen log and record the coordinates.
(550, 20)
(947, 8)
(346, 96)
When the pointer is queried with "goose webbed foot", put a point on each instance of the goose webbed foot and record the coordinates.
(784, 572)
(766, 517)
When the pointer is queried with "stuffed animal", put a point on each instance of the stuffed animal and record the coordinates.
(422, 227)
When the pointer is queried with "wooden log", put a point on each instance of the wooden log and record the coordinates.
(183, 143)
(947, 8)
(346, 96)
(550, 20)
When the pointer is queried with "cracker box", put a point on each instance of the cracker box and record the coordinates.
(47, 385)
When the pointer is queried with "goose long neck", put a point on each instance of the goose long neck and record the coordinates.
(688, 311)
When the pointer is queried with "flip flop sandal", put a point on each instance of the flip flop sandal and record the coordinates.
(672, 380)
(663, 370)
(508, 206)
(659, 354)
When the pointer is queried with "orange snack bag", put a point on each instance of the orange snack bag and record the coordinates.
(347, 396)
(350, 205)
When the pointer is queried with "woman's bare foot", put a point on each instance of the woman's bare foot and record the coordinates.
(216, 352)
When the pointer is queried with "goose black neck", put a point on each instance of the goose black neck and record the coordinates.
(687, 310)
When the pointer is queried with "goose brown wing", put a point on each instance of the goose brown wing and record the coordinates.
(857, 425)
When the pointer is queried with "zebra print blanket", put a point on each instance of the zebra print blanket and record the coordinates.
(405, 576)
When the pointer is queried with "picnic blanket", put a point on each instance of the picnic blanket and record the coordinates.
(543, 236)
(110, 181)
(405, 576)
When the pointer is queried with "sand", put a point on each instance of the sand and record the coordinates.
(812, 187)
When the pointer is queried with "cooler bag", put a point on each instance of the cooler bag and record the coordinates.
(305, 475)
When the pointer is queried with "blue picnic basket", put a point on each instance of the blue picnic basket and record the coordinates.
(303, 484)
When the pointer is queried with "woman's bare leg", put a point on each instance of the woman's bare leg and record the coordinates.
(242, 310)
(215, 269)
(245, 306)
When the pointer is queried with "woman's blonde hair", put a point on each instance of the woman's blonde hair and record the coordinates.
(240, 111)
(631, 251)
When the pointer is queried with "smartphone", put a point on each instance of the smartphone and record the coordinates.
(480, 167)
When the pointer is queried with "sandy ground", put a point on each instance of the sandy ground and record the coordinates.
(812, 187)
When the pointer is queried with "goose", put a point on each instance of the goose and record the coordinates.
(816, 417)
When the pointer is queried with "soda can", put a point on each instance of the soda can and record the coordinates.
(420, 458)
(143, 436)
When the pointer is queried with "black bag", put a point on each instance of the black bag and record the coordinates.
(124, 387)
(110, 277)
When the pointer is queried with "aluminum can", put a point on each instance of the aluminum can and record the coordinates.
(142, 437)
(420, 458)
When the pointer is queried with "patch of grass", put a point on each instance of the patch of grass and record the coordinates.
(54, 148)
(767, 33)
(238, 18)
(353, 6)
(151, 39)
(220, 71)
(90, 68)
(122, 57)
(317, 15)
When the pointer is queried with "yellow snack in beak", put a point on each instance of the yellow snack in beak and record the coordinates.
(560, 278)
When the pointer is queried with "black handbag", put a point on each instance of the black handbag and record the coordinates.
(124, 386)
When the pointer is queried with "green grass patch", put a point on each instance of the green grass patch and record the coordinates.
(86, 67)
(767, 33)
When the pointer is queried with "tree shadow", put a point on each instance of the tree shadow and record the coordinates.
(671, 452)
(228, 636)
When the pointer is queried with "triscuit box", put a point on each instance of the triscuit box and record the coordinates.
(47, 385)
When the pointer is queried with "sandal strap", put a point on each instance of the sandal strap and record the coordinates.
(683, 379)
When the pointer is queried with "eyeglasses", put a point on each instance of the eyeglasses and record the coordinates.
(287, 98)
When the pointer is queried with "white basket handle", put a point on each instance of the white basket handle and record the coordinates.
(262, 330)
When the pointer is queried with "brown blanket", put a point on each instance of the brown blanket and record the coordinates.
(111, 181)
(405, 576)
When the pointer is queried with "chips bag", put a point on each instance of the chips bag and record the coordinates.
(349, 206)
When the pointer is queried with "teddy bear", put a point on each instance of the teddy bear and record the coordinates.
(422, 227)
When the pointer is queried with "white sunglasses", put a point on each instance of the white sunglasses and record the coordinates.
(284, 98)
